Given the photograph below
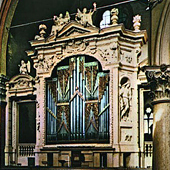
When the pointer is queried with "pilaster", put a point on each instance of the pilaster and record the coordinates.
(2, 118)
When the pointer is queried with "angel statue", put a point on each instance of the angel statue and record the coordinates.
(25, 68)
(125, 98)
(85, 18)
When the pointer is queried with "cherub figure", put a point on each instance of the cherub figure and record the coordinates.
(25, 68)
(85, 18)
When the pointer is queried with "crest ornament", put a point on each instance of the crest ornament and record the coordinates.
(136, 23)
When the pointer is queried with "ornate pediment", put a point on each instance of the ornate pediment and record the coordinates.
(21, 84)
(73, 30)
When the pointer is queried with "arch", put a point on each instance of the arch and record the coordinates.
(97, 56)
(161, 48)
(7, 12)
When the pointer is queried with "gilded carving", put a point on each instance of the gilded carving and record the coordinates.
(91, 72)
(63, 76)
(63, 117)
(89, 118)
(102, 85)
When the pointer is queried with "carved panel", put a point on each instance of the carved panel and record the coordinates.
(75, 46)
(21, 82)
(126, 56)
(109, 52)
(125, 97)
(43, 64)
(126, 135)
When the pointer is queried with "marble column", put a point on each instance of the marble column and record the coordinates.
(2, 118)
(159, 82)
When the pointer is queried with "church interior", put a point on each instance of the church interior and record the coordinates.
(85, 84)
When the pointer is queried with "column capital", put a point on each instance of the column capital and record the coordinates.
(158, 78)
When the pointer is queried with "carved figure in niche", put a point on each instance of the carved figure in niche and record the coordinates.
(25, 68)
(85, 18)
(114, 18)
(125, 98)
(136, 23)
(59, 22)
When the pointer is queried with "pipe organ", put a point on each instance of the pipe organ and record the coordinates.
(78, 102)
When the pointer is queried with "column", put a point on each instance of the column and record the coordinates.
(2, 119)
(159, 82)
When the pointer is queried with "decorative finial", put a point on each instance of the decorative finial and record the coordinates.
(136, 23)
(114, 18)
(42, 29)
(25, 68)
(94, 5)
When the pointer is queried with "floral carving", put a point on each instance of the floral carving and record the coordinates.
(103, 81)
(90, 119)
(44, 63)
(75, 46)
(109, 54)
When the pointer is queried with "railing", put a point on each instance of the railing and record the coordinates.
(26, 149)
(148, 148)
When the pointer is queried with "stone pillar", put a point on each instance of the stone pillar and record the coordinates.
(2, 119)
(159, 81)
